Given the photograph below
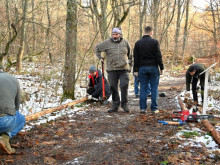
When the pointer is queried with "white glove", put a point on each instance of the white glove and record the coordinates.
(102, 60)
(136, 74)
(187, 93)
(89, 97)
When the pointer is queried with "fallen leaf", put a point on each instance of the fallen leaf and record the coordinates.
(49, 160)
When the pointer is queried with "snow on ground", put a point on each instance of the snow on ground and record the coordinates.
(42, 92)
(197, 138)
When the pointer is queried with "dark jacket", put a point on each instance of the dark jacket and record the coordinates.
(9, 94)
(147, 53)
(96, 83)
(199, 69)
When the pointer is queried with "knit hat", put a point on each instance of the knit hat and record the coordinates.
(1, 67)
(116, 30)
(192, 68)
(92, 69)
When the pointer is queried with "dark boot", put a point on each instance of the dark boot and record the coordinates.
(113, 109)
(5, 146)
(126, 109)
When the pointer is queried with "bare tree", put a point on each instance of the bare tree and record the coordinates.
(71, 50)
(142, 8)
(22, 38)
(185, 35)
(177, 33)
(101, 16)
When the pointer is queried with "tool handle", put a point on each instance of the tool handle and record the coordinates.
(172, 123)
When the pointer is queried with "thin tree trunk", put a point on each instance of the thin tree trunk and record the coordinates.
(214, 28)
(142, 14)
(185, 28)
(22, 39)
(71, 45)
(101, 17)
(177, 33)
(33, 29)
(48, 34)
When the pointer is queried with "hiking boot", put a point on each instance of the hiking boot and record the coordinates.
(137, 95)
(113, 110)
(142, 111)
(126, 109)
(155, 111)
(5, 146)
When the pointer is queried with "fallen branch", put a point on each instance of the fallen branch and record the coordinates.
(50, 110)
(213, 131)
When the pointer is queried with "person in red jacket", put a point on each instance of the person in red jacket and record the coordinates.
(95, 89)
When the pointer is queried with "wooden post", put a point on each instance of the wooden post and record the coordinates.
(206, 88)
(205, 93)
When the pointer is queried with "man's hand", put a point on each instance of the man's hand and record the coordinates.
(161, 72)
(136, 74)
(89, 97)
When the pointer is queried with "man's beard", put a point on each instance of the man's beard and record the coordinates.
(116, 39)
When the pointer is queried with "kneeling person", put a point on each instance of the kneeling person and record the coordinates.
(11, 121)
(95, 89)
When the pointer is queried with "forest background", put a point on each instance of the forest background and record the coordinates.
(59, 36)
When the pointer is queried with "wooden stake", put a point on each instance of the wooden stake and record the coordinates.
(212, 129)
(50, 110)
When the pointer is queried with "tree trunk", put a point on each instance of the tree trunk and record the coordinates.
(214, 28)
(155, 9)
(177, 33)
(48, 34)
(185, 28)
(70, 56)
(33, 29)
(212, 129)
(101, 17)
(22, 39)
(142, 14)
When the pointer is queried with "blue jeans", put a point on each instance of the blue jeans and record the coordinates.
(149, 74)
(136, 86)
(11, 125)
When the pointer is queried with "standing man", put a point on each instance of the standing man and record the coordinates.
(147, 58)
(11, 121)
(118, 58)
(192, 77)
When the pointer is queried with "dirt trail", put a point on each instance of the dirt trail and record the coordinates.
(96, 137)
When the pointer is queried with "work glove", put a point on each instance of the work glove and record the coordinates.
(136, 74)
(187, 93)
(90, 97)
(102, 60)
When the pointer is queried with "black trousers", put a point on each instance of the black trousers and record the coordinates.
(194, 90)
(114, 77)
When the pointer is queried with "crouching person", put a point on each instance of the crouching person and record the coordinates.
(95, 89)
(11, 121)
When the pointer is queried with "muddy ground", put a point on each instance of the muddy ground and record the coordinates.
(96, 137)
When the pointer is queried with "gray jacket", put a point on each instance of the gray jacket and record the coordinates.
(117, 54)
(9, 94)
